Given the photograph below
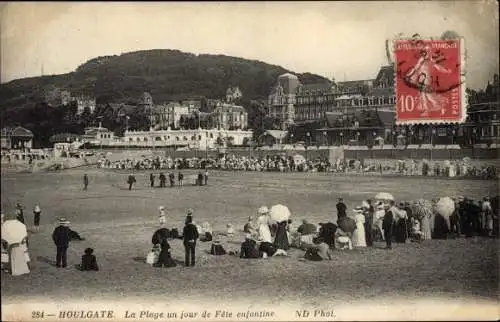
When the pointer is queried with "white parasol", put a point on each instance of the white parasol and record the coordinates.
(279, 213)
(298, 159)
(384, 196)
(445, 206)
(422, 208)
(14, 231)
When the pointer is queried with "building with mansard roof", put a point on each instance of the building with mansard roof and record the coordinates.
(294, 103)
(282, 100)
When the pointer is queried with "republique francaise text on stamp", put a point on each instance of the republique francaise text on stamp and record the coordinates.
(430, 81)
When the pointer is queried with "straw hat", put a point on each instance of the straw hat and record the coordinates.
(161, 208)
(263, 210)
(64, 221)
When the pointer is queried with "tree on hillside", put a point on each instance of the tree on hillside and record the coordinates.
(139, 121)
(85, 117)
(256, 115)
(106, 115)
(166, 74)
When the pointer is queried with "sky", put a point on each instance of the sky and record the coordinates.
(345, 40)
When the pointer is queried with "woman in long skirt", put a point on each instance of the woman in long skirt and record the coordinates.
(281, 239)
(358, 238)
(18, 259)
(426, 225)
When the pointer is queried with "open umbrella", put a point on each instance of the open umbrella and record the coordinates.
(347, 224)
(384, 196)
(279, 213)
(445, 206)
(160, 236)
(299, 159)
(14, 231)
(422, 208)
(308, 229)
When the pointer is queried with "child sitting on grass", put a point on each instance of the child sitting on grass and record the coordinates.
(416, 233)
(89, 261)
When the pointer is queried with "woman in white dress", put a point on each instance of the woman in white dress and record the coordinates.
(379, 216)
(15, 236)
(264, 233)
(358, 238)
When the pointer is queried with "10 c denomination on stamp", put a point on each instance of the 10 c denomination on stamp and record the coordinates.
(430, 81)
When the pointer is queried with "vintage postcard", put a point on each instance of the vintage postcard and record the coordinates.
(250, 161)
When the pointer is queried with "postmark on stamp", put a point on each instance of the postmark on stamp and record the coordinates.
(430, 81)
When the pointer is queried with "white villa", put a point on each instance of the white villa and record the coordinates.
(195, 139)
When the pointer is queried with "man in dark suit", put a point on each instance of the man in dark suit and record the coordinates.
(130, 181)
(190, 235)
(152, 180)
(171, 177)
(369, 223)
(85, 181)
(388, 224)
(341, 209)
(61, 237)
(163, 180)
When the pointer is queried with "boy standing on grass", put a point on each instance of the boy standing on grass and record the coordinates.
(61, 237)
(36, 213)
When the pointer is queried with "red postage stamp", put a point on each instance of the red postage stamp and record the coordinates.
(430, 81)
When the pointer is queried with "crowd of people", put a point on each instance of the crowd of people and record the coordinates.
(273, 231)
(297, 163)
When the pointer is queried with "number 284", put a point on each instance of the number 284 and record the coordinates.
(37, 314)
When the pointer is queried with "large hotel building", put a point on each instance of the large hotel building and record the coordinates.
(362, 112)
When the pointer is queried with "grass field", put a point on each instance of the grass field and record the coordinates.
(119, 223)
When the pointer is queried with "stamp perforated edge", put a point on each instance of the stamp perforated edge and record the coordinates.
(463, 86)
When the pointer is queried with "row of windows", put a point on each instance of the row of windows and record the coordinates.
(165, 138)
(490, 131)
(316, 99)
(365, 101)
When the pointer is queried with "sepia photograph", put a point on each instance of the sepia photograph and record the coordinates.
(250, 161)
